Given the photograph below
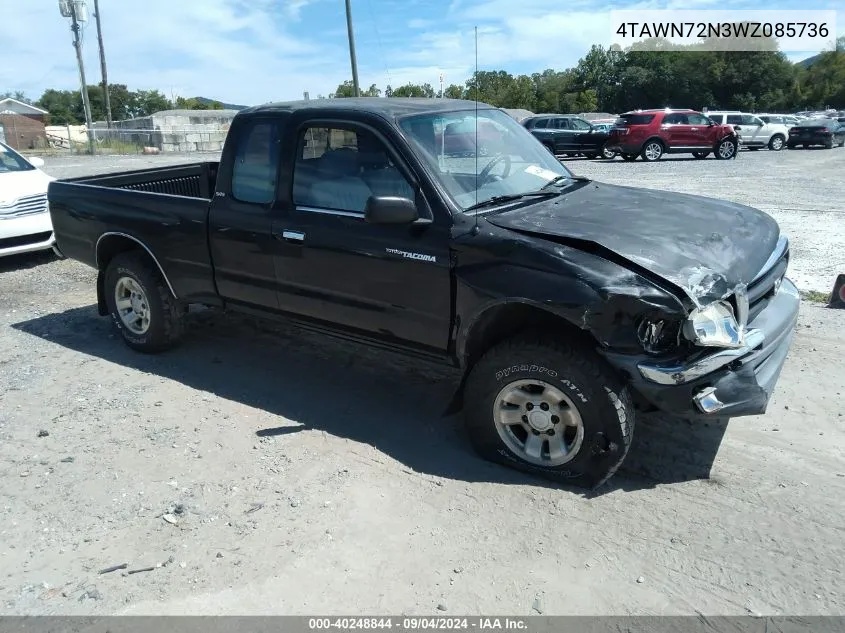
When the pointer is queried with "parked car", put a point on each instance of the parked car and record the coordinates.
(826, 132)
(785, 119)
(562, 300)
(24, 220)
(653, 133)
(459, 138)
(569, 135)
(754, 133)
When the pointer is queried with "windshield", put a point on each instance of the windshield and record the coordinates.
(505, 160)
(12, 161)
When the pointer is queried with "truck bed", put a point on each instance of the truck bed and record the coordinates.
(163, 210)
(194, 180)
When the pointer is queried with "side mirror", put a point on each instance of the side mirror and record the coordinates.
(35, 161)
(390, 210)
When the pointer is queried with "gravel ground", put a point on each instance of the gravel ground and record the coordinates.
(259, 469)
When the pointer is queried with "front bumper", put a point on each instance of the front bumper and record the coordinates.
(727, 383)
(26, 234)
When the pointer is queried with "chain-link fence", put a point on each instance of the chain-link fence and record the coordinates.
(104, 141)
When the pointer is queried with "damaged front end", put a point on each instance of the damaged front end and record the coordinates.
(725, 357)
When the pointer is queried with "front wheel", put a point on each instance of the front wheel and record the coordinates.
(776, 143)
(141, 306)
(541, 406)
(726, 149)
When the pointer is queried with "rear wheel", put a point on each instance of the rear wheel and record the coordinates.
(141, 306)
(545, 407)
(828, 145)
(607, 153)
(701, 154)
(652, 151)
(776, 143)
(726, 149)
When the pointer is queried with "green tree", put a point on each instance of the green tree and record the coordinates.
(454, 91)
(64, 106)
(147, 102)
(414, 90)
(17, 95)
(347, 89)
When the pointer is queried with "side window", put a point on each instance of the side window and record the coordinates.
(579, 124)
(748, 119)
(675, 118)
(541, 124)
(734, 119)
(559, 124)
(698, 119)
(339, 169)
(256, 166)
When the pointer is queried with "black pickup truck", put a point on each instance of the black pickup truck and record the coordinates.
(567, 303)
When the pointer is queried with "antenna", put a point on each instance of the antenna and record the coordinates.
(475, 229)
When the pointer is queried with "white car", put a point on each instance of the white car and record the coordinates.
(25, 224)
(754, 133)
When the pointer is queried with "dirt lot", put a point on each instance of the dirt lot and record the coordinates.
(258, 469)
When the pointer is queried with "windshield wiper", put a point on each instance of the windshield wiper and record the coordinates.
(491, 202)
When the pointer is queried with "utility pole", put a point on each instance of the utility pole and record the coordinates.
(352, 49)
(70, 9)
(103, 63)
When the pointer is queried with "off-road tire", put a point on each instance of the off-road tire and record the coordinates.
(603, 401)
(165, 329)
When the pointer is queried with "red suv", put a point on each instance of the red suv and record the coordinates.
(652, 133)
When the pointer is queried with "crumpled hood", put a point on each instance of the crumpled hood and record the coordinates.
(706, 247)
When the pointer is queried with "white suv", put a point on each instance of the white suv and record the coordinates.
(754, 132)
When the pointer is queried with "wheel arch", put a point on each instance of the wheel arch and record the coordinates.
(114, 243)
(500, 321)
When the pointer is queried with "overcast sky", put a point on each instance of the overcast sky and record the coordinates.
(254, 51)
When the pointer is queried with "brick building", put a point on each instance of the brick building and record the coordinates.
(22, 125)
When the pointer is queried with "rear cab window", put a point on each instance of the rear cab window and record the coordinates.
(256, 166)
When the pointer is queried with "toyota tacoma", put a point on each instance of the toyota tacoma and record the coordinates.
(566, 303)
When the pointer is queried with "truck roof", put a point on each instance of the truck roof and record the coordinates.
(393, 107)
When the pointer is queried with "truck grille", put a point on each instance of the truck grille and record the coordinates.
(27, 205)
(765, 285)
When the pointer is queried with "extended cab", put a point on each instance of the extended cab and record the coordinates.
(565, 301)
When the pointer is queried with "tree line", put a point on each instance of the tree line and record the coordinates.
(612, 80)
(604, 80)
(65, 106)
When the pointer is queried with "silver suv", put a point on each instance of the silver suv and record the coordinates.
(754, 132)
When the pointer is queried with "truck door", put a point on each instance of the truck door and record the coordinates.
(240, 220)
(387, 281)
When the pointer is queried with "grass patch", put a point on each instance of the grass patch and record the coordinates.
(815, 296)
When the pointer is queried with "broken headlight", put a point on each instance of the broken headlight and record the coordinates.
(658, 335)
(714, 325)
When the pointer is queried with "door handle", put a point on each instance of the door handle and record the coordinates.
(293, 236)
